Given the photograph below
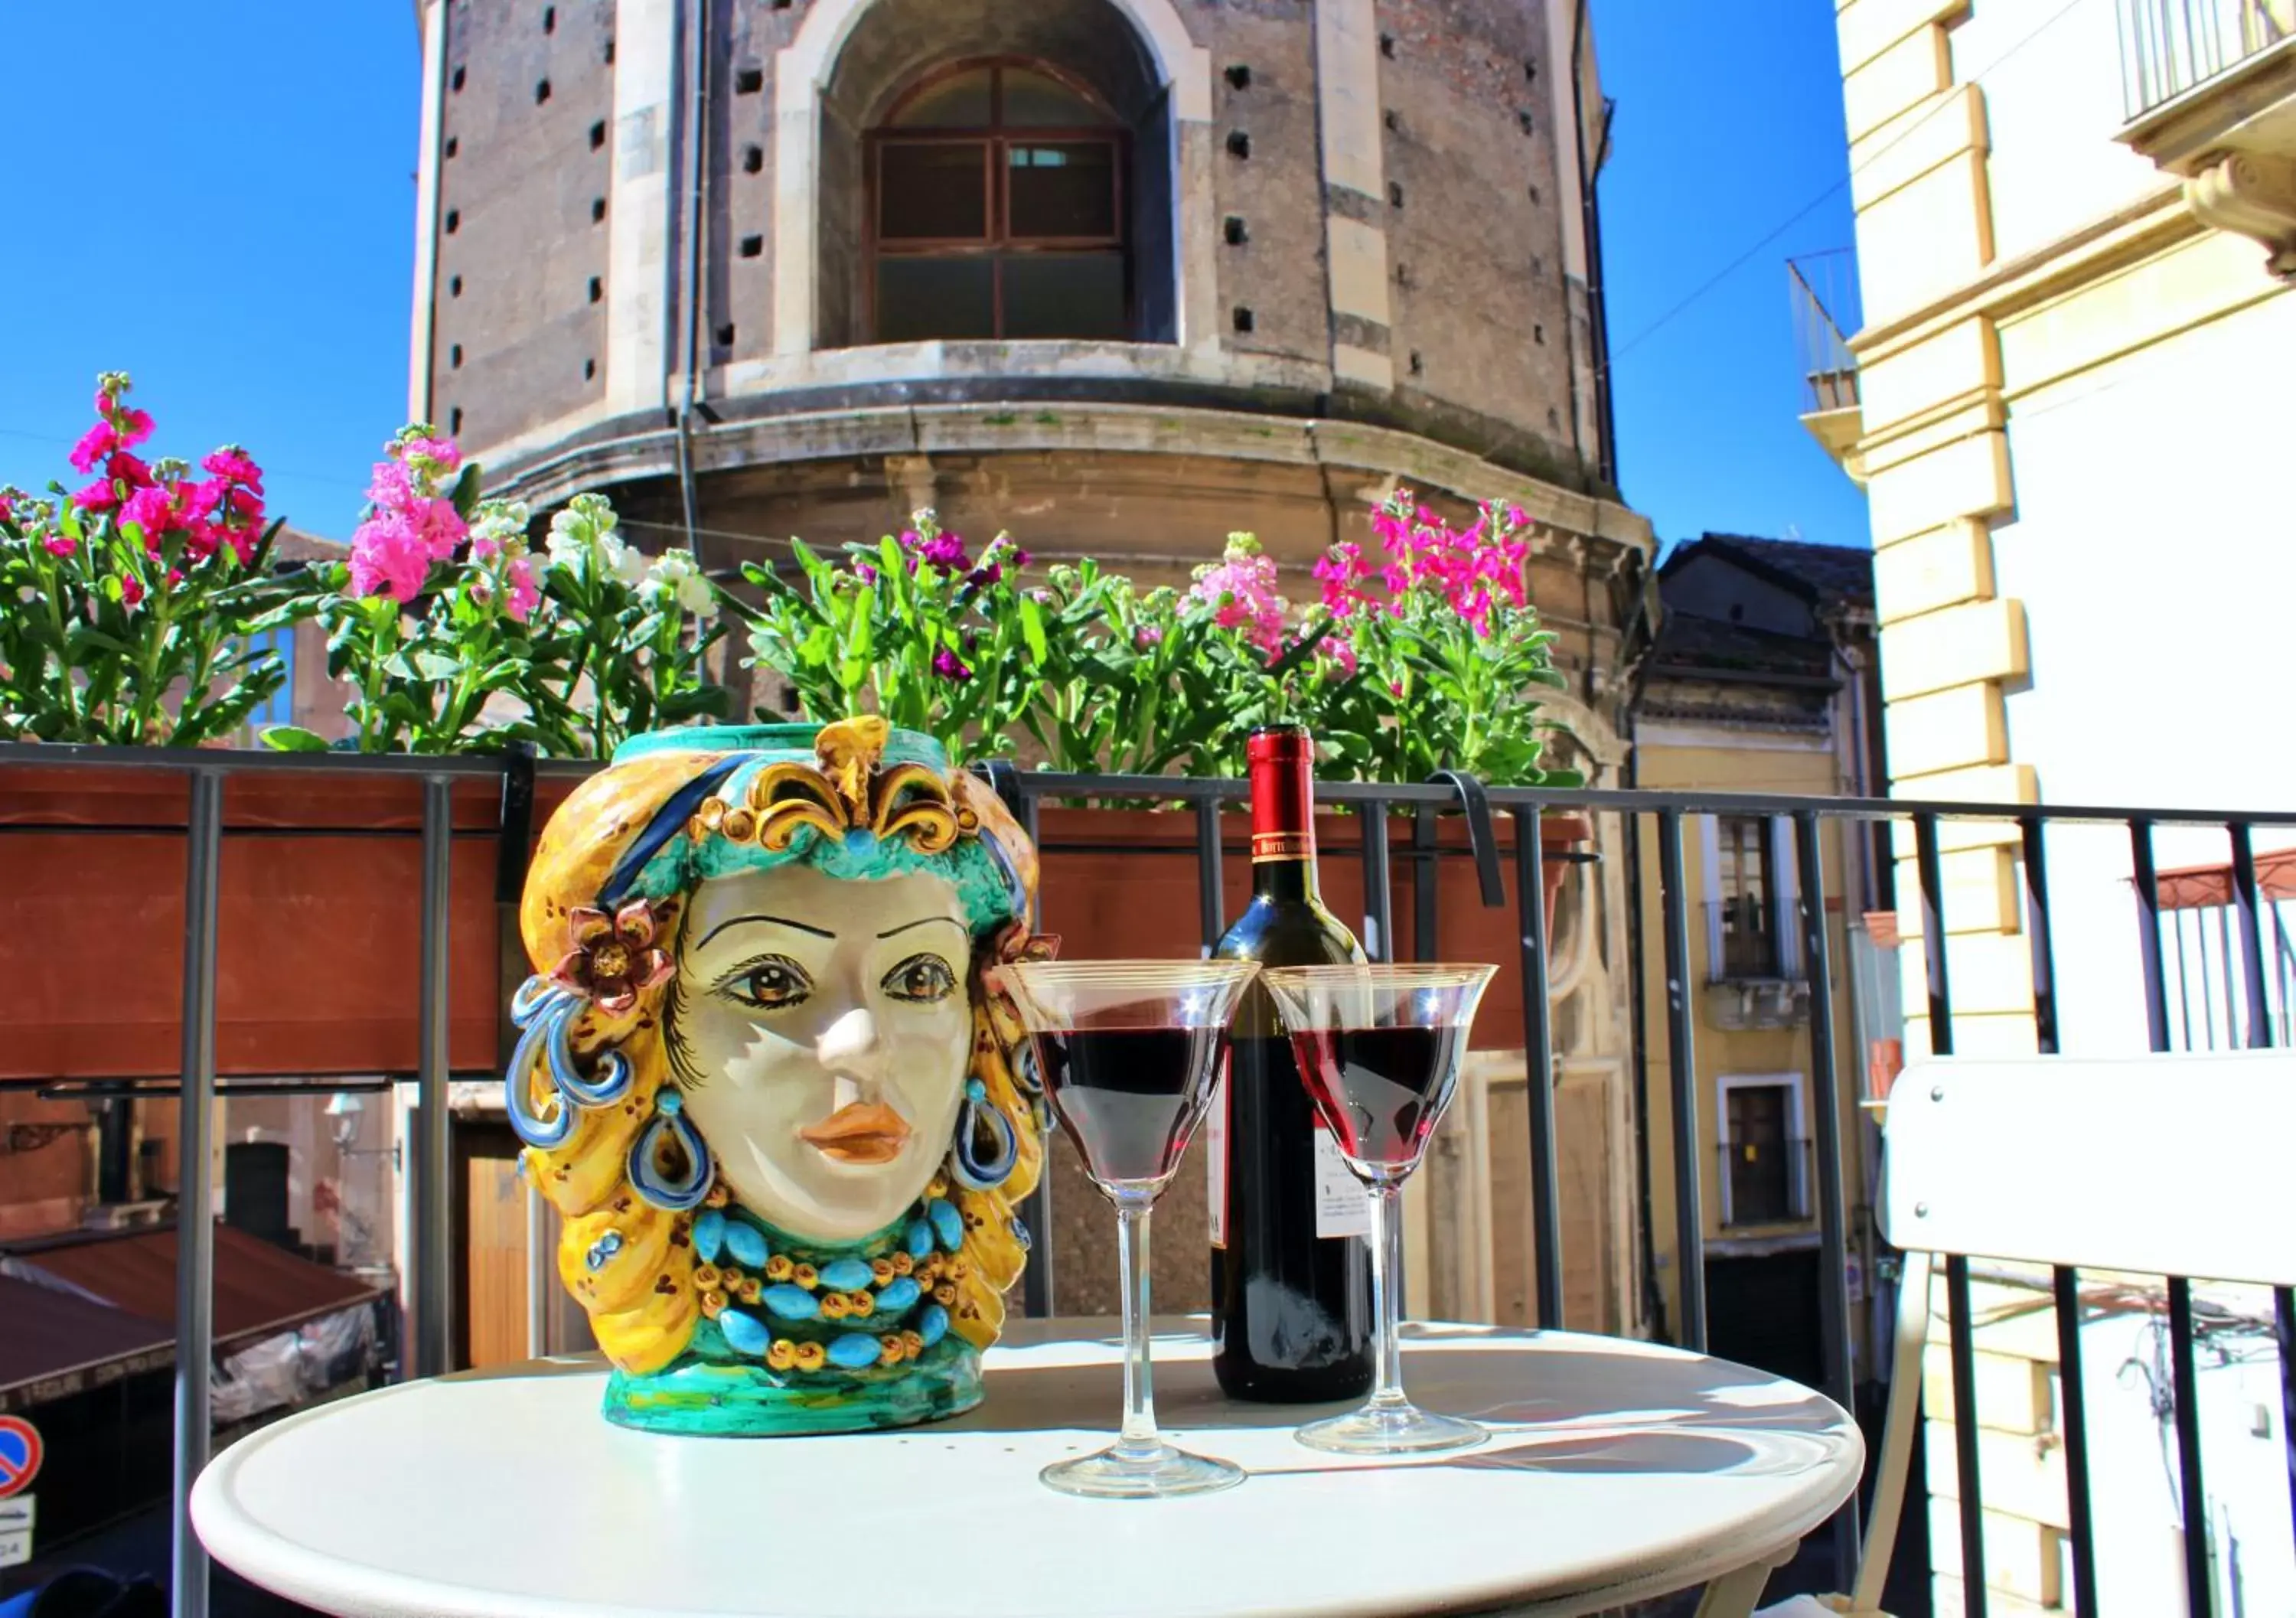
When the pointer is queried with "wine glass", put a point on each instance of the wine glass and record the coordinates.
(1128, 1051)
(1379, 1047)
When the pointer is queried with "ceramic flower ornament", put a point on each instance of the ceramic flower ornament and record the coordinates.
(761, 1075)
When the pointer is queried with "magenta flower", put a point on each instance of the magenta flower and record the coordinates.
(97, 497)
(950, 666)
(99, 442)
(135, 426)
(943, 551)
(233, 466)
(131, 589)
(126, 468)
(153, 510)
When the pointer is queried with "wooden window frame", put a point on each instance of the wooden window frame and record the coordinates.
(996, 139)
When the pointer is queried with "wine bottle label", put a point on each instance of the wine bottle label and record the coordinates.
(1216, 1155)
(1342, 1208)
(1281, 845)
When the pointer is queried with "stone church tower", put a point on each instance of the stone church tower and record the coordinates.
(1121, 276)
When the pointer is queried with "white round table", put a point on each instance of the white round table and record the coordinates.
(1616, 1470)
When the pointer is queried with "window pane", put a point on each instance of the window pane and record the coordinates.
(935, 192)
(1064, 295)
(1062, 189)
(921, 298)
(959, 102)
(1039, 101)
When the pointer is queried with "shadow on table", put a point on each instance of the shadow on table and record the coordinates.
(1621, 1409)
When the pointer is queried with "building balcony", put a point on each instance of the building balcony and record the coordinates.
(1822, 289)
(2210, 89)
(1753, 979)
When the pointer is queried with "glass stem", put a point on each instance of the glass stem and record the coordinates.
(1139, 1439)
(1386, 1200)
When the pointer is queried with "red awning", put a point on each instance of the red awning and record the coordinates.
(260, 1289)
(2203, 887)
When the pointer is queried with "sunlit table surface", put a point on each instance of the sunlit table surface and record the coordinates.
(1616, 1470)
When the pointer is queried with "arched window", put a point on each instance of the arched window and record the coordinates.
(996, 208)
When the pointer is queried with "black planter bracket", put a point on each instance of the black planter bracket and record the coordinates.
(1482, 841)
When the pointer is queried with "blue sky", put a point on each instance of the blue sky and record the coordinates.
(1729, 125)
(231, 221)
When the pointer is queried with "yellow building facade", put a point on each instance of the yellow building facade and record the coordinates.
(1759, 679)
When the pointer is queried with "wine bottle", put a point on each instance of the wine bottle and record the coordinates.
(1291, 1306)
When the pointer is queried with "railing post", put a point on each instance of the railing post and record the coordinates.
(2065, 1282)
(1961, 1329)
(1036, 1210)
(1682, 1071)
(431, 1228)
(1832, 1217)
(2184, 1373)
(1538, 1069)
(2259, 1035)
(195, 1187)
(1377, 888)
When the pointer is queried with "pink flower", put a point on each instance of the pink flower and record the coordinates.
(135, 426)
(233, 466)
(7, 511)
(524, 597)
(126, 468)
(388, 558)
(1241, 589)
(950, 666)
(1146, 635)
(153, 510)
(99, 442)
(131, 589)
(444, 452)
(98, 496)
(59, 544)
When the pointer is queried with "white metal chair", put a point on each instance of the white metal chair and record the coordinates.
(2171, 1165)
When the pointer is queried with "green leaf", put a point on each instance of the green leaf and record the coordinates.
(293, 738)
(1032, 627)
(466, 491)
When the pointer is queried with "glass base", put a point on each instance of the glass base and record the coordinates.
(1161, 1472)
(1397, 1429)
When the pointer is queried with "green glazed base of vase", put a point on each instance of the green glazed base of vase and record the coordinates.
(718, 1399)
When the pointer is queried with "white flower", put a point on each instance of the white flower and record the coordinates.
(628, 563)
(676, 576)
(695, 596)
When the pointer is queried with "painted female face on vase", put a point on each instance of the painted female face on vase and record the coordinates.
(819, 1029)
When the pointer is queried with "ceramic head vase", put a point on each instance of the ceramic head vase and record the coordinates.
(761, 1077)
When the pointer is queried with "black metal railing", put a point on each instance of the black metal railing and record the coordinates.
(1822, 289)
(2170, 46)
(1642, 817)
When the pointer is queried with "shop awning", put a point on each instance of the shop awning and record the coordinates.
(52, 1344)
(260, 1289)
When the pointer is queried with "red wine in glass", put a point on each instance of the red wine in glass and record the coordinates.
(1381, 1090)
(1129, 1099)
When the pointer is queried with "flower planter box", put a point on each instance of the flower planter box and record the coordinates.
(1123, 882)
(318, 922)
